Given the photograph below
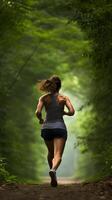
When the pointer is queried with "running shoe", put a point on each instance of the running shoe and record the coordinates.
(52, 174)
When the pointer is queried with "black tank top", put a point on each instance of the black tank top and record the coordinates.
(54, 110)
(54, 114)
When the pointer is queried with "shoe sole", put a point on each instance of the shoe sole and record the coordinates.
(53, 179)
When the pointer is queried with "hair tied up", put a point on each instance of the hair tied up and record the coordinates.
(48, 81)
(50, 85)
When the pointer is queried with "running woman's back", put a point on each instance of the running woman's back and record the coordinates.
(54, 109)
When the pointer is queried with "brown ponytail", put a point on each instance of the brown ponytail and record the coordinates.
(53, 84)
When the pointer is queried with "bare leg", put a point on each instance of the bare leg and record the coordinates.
(50, 147)
(59, 144)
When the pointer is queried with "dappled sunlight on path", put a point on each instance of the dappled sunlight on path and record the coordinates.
(62, 180)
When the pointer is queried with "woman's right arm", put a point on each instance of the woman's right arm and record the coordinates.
(71, 110)
(38, 111)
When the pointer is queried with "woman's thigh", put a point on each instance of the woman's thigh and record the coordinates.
(59, 145)
(50, 146)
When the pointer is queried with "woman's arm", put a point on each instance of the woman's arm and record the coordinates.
(71, 110)
(39, 110)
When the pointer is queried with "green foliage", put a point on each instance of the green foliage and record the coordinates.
(39, 46)
(41, 38)
(20, 142)
(4, 174)
(94, 17)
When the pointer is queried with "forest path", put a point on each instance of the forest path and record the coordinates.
(73, 191)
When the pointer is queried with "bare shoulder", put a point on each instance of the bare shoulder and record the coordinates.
(63, 97)
(66, 98)
(44, 97)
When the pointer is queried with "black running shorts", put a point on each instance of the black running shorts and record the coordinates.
(50, 134)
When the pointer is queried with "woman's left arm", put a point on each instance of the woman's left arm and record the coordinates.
(38, 111)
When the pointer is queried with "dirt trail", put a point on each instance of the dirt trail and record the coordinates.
(73, 191)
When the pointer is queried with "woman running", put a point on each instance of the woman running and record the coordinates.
(53, 129)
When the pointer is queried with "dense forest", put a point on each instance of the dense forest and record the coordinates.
(73, 40)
